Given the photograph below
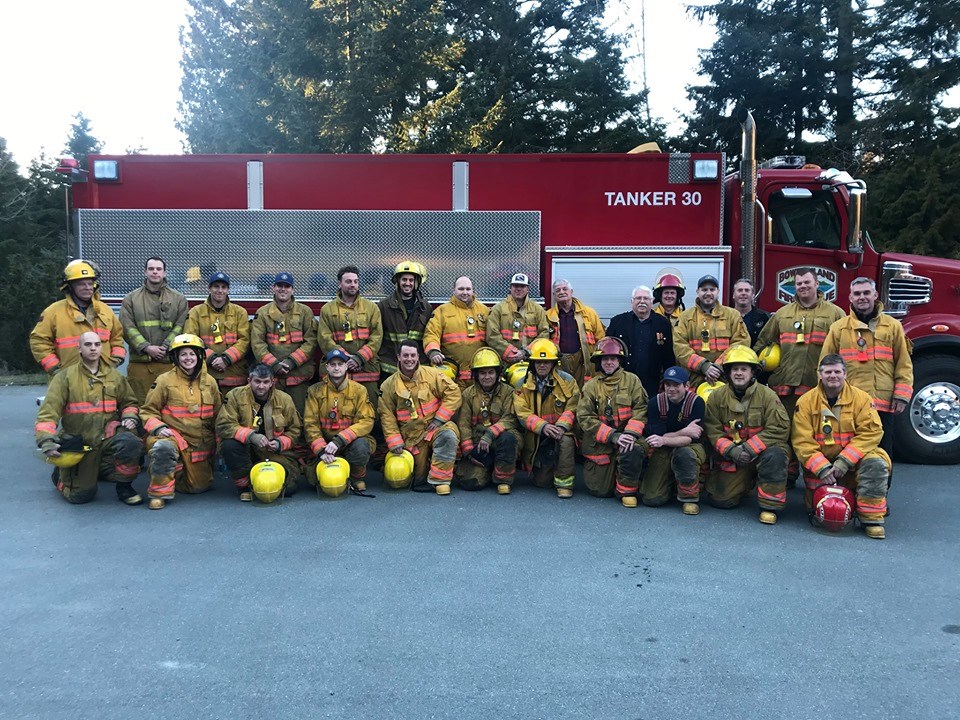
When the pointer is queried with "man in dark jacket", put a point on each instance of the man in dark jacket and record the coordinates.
(649, 338)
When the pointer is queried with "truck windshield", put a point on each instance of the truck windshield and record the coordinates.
(810, 222)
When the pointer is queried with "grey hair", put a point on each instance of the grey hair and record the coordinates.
(863, 281)
(748, 281)
(561, 281)
(260, 370)
(638, 288)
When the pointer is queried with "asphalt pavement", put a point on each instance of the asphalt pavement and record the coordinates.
(468, 606)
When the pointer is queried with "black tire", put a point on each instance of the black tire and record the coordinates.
(910, 445)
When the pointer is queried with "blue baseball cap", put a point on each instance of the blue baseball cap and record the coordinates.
(707, 280)
(219, 277)
(676, 374)
(337, 354)
(283, 278)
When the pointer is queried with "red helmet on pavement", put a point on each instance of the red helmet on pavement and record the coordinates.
(833, 507)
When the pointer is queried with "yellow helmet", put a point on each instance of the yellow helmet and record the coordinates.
(398, 469)
(266, 480)
(516, 374)
(706, 389)
(741, 355)
(183, 341)
(79, 270)
(412, 267)
(72, 450)
(543, 349)
(770, 358)
(449, 368)
(332, 477)
(485, 358)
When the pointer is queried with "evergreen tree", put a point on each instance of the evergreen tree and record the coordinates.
(81, 141)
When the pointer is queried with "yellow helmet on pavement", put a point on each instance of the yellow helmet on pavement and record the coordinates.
(398, 469)
(266, 480)
(333, 477)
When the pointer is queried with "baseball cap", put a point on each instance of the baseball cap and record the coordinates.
(707, 280)
(337, 354)
(520, 279)
(676, 374)
(219, 277)
(283, 278)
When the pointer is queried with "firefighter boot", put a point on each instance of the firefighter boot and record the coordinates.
(629, 501)
(157, 503)
(875, 531)
(127, 495)
(503, 489)
(768, 518)
(359, 485)
(443, 489)
(690, 508)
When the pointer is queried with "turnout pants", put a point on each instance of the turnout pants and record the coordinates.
(613, 472)
(504, 448)
(116, 460)
(357, 454)
(555, 467)
(868, 481)
(673, 467)
(240, 458)
(142, 375)
(173, 470)
(729, 483)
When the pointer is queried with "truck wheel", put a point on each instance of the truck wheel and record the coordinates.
(928, 431)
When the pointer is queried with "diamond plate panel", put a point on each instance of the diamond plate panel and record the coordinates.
(678, 172)
(252, 246)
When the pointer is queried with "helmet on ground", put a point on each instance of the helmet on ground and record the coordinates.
(485, 358)
(72, 450)
(332, 477)
(609, 347)
(740, 355)
(668, 280)
(186, 340)
(449, 368)
(833, 507)
(79, 270)
(398, 469)
(412, 267)
(770, 358)
(516, 374)
(706, 389)
(266, 480)
(543, 349)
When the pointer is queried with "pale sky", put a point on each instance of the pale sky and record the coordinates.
(117, 61)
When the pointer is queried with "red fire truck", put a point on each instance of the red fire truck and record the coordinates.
(604, 222)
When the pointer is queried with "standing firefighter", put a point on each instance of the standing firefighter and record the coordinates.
(338, 420)
(706, 332)
(836, 436)
(516, 321)
(55, 341)
(180, 414)
(417, 407)
(668, 293)
(674, 433)
(352, 324)
(404, 314)
(259, 422)
(546, 405)
(152, 316)
(612, 413)
(284, 337)
(457, 330)
(749, 428)
(225, 329)
(575, 329)
(87, 427)
(489, 436)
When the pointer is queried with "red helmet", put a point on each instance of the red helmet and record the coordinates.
(833, 507)
(668, 280)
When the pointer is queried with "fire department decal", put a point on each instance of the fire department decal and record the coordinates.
(826, 281)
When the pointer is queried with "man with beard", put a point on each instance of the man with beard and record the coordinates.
(259, 422)
(516, 321)
(224, 328)
(457, 330)
(404, 314)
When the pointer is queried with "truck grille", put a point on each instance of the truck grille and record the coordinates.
(901, 288)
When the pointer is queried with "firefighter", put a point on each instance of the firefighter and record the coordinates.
(284, 337)
(648, 337)
(612, 413)
(404, 314)
(489, 434)
(417, 407)
(743, 302)
(151, 316)
(674, 436)
(836, 436)
(457, 330)
(352, 324)
(575, 329)
(224, 328)
(668, 292)
(180, 415)
(706, 332)
(516, 321)
(546, 406)
(55, 339)
(749, 428)
(877, 354)
(92, 403)
(259, 422)
(338, 421)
